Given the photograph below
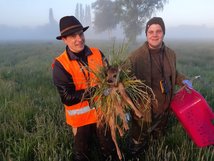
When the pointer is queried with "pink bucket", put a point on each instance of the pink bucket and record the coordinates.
(195, 115)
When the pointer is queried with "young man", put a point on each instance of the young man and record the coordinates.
(73, 76)
(155, 63)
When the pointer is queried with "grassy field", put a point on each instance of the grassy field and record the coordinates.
(32, 121)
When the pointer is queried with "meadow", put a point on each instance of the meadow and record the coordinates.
(32, 121)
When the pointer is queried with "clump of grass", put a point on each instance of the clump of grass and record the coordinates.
(137, 90)
(109, 97)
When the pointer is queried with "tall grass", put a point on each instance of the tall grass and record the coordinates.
(32, 121)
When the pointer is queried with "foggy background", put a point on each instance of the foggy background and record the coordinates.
(27, 20)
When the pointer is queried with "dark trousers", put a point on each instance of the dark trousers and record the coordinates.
(140, 135)
(89, 138)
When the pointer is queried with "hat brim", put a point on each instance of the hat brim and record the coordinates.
(70, 32)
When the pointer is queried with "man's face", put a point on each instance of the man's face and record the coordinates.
(75, 42)
(155, 36)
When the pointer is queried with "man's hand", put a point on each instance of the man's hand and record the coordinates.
(90, 92)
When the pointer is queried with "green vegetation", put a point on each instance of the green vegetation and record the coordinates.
(32, 121)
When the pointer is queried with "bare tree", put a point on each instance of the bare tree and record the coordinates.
(81, 13)
(77, 13)
(84, 16)
(87, 18)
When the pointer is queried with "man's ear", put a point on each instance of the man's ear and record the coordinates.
(64, 40)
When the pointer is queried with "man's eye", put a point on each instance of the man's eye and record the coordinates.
(156, 32)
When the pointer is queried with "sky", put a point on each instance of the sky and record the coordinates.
(19, 13)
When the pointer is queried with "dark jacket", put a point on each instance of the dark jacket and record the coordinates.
(64, 81)
(140, 65)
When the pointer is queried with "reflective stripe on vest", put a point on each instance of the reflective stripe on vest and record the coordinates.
(79, 111)
(81, 114)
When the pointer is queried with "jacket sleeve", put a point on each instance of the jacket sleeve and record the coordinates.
(65, 86)
(179, 78)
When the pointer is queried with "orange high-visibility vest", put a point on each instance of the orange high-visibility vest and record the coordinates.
(81, 114)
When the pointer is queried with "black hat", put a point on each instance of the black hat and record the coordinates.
(155, 20)
(69, 25)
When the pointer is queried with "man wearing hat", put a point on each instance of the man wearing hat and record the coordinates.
(74, 77)
(154, 63)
